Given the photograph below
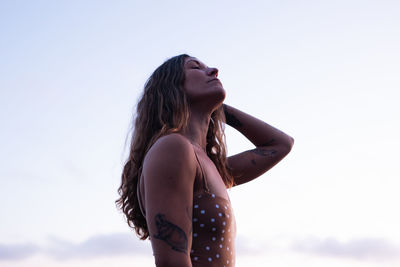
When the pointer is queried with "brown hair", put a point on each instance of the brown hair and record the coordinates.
(164, 109)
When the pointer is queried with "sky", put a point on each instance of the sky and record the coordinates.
(324, 72)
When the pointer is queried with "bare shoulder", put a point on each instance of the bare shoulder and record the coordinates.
(169, 174)
(170, 153)
(172, 145)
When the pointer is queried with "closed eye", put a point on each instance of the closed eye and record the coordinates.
(194, 64)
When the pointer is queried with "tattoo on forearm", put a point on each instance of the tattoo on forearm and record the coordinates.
(231, 119)
(265, 152)
(171, 234)
(269, 143)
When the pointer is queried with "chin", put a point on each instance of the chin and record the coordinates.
(219, 94)
(211, 99)
(218, 97)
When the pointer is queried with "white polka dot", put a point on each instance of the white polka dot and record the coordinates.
(195, 258)
(225, 207)
(213, 239)
(227, 248)
(213, 196)
(202, 211)
(222, 239)
(223, 231)
(202, 225)
(207, 248)
(213, 229)
(217, 255)
(209, 259)
(220, 245)
(194, 235)
(196, 206)
(192, 251)
(229, 240)
(220, 214)
(195, 219)
(212, 220)
(227, 215)
(217, 206)
(227, 262)
(223, 223)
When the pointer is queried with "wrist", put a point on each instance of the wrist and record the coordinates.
(230, 117)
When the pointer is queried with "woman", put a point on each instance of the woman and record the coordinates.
(174, 183)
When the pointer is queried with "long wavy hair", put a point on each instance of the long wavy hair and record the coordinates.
(164, 109)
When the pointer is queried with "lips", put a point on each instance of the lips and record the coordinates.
(212, 80)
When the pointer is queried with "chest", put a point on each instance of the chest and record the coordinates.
(213, 179)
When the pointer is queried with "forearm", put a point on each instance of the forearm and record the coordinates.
(256, 131)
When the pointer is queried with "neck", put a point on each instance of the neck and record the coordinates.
(196, 130)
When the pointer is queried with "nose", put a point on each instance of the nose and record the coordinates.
(212, 72)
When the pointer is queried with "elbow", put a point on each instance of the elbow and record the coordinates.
(291, 141)
(289, 144)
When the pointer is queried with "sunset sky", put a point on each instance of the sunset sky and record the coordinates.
(325, 72)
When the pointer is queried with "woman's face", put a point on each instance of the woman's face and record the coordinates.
(201, 83)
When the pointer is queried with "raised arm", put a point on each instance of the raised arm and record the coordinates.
(271, 144)
(169, 170)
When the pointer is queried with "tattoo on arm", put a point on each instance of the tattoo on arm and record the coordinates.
(269, 143)
(170, 233)
(231, 119)
(265, 152)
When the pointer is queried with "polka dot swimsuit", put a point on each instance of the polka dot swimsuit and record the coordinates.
(214, 229)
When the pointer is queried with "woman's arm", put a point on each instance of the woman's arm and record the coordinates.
(169, 171)
(272, 145)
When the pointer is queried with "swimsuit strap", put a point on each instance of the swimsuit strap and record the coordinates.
(205, 185)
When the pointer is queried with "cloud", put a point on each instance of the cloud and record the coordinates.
(17, 251)
(97, 246)
(360, 249)
(251, 247)
(124, 244)
(117, 244)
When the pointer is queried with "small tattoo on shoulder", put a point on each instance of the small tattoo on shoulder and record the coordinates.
(170, 233)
